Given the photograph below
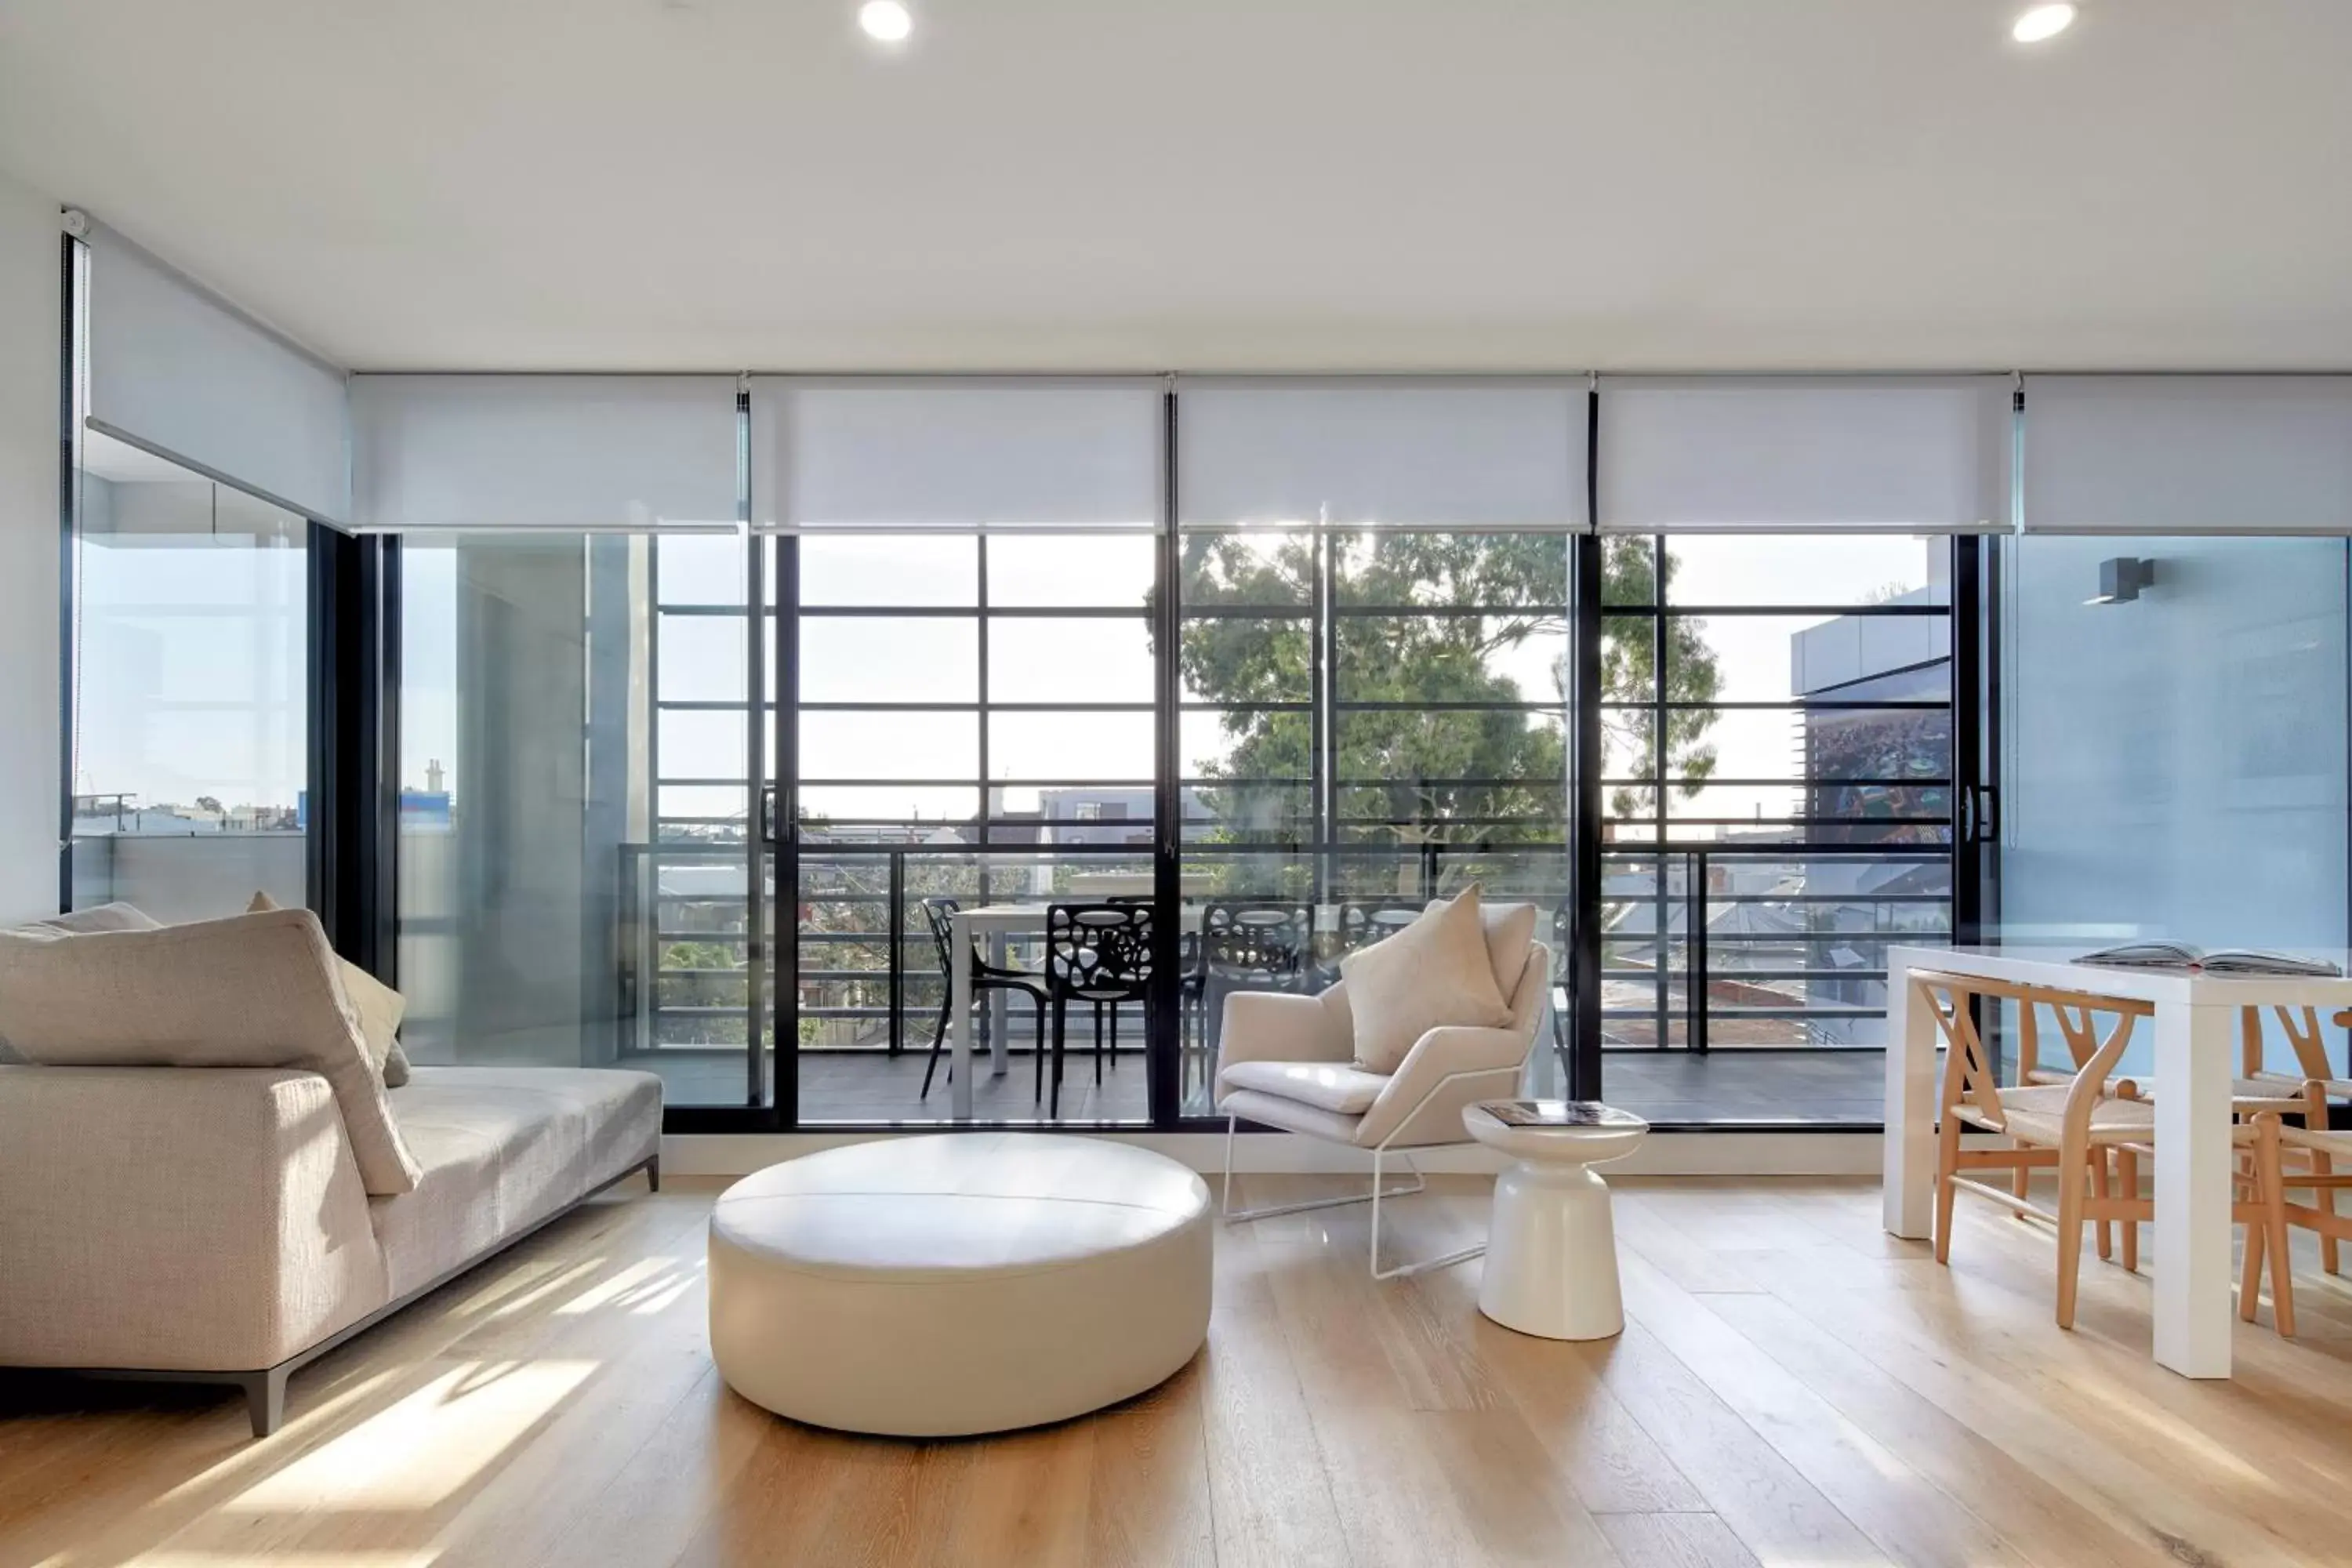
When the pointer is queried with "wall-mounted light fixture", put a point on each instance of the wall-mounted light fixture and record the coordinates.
(2121, 579)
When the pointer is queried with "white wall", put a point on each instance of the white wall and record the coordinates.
(28, 552)
(2177, 764)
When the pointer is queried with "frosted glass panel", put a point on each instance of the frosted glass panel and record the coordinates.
(2175, 764)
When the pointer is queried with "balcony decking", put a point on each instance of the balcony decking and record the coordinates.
(1833, 1087)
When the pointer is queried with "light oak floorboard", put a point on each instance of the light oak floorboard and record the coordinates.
(1794, 1387)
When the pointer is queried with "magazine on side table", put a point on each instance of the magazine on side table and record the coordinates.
(1556, 1113)
(2223, 962)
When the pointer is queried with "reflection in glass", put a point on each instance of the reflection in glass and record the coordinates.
(571, 878)
(190, 767)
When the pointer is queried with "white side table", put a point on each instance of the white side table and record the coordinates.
(1551, 1248)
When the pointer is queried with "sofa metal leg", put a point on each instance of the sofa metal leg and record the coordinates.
(265, 1399)
(653, 1174)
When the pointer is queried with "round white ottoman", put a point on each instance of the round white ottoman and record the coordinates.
(1551, 1245)
(967, 1283)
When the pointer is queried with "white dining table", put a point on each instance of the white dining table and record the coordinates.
(2196, 1041)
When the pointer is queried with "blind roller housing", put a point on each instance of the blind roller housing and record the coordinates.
(1790, 454)
(1004, 455)
(2150, 453)
(580, 452)
(1416, 456)
(175, 371)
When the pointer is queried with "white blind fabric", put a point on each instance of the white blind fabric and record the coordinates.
(1410, 455)
(2187, 454)
(175, 371)
(1002, 456)
(581, 452)
(1805, 453)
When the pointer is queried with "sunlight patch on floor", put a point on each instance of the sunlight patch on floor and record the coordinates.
(419, 1452)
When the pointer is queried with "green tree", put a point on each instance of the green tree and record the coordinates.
(1422, 773)
(1631, 575)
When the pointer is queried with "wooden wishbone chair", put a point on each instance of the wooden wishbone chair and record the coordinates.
(2070, 1127)
(2076, 1027)
(2304, 1093)
(2276, 1178)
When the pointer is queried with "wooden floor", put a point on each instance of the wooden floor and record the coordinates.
(1794, 1387)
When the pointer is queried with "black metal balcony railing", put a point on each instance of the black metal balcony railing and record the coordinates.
(1782, 944)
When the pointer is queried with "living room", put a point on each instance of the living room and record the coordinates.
(1415, 782)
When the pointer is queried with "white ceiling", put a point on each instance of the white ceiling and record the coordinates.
(1206, 184)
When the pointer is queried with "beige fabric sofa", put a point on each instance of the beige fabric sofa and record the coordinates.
(210, 1223)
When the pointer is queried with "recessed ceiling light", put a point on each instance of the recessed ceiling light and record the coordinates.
(888, 21)
(2037, 24)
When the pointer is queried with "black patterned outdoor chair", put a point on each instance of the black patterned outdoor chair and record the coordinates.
(985, 976)
(1101, 955)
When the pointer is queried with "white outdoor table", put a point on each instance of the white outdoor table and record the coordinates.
(2196, 1034)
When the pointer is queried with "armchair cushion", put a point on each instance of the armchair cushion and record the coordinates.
(1510, 933)
(1435, 972)
(1327, 1086)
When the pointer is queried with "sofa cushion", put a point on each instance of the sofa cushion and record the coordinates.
(1435, 971)
(105, 917)
(1328, 1085)
(255, 990)
(378, 1007)
(501, 1148)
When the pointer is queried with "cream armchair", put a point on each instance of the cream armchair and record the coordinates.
(1287, 1061)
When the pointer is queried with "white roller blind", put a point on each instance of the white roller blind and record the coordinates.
(1407, 455)
(1787, 454)
(2189, 454)
(176, 370)
(581, 452)
(998, 454)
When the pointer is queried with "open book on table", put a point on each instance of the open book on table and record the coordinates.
(2222, 960)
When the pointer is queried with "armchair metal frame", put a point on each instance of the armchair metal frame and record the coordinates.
(1509, 1076)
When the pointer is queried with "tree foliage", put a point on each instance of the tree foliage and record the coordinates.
(1436, 766)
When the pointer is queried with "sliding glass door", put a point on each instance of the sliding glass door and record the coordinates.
(1779, 809)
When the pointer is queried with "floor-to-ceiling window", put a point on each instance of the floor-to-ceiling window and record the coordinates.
(573, 807)
(963, 581)
(975, 724)
(1372, 634)
(202, 445)
(1778, 810)
(1286, 658)
(189, 724)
